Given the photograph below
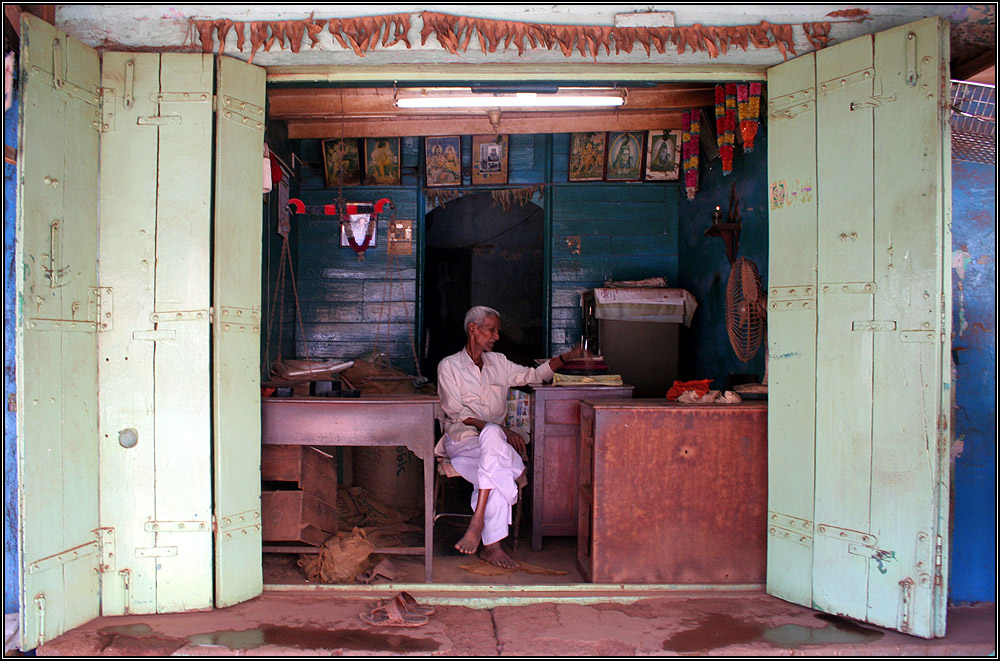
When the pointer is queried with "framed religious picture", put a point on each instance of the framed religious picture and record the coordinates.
(489, 159)
(625, 151)
(382, 161)
(443, 161)
(586, 156)
(342, 162)
(663, 155)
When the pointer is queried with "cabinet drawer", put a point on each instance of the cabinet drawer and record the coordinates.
(562, 412)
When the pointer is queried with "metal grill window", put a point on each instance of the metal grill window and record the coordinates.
(973, 122)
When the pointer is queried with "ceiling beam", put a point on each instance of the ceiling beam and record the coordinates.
(968, 70)
(510, 123)
(327, 103)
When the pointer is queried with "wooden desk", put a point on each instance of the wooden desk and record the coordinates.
(555, 441)
(672, 493)
(376, 420)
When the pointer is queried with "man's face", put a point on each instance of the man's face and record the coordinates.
(485, 336)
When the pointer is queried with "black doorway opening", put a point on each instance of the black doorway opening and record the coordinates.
(477, 253)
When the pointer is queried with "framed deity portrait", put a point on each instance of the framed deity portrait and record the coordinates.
(443, 161)
(586, 156)
(663, 155)
(489, 159)
(382, 161)
(342, 162)
(625, 150)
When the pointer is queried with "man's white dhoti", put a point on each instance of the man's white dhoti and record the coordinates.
(489, 462)
(484, 458)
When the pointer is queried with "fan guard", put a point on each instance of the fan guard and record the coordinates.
(745, 309)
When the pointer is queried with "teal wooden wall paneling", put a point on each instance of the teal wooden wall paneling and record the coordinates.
(625, 231)
(348, 306)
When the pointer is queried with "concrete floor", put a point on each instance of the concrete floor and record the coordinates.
(514, 615)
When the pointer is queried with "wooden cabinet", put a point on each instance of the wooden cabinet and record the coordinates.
(672, 493)
(555, 437)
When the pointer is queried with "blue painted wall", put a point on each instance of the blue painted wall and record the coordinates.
(974, 280)
(600, 231)
(704, 269)
(10, 572)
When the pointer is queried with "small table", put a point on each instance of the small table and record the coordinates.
(376, 420)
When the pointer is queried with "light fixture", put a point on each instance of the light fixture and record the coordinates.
(466, 98)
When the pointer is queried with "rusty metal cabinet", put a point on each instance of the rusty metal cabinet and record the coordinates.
(672, 493)
(555, 434)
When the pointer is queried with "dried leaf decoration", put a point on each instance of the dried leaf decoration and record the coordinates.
(455, 34)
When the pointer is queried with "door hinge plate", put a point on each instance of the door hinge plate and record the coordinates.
(107, 110)
(847, 535)
(156, 552)
(181, 97)
(176, 526)
(179, 315)
(106, 541)
(83, 550)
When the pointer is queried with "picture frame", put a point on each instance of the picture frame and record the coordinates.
(443, 161)
(586, 156)
(382, 162)
(489, 159)
(663, 155)
(341, 162)
(625, 155)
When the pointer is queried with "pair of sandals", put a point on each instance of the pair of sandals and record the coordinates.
(401, 610)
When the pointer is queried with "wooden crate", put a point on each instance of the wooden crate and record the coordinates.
(296, 516)
(312, 470)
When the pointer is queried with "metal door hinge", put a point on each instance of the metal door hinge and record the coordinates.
(245, 320)
(106, 550)
(69, 555)
(182, 97)
(938, 554)
(176, 526)
(243, 113)
(240, 525)
(105, 308)
(106, 112)
(179, 315)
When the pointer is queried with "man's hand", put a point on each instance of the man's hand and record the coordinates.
(516, 441)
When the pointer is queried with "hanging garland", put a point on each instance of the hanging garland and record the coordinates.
(689, 139)
(724, 129)
(454, 34)
(749, 110)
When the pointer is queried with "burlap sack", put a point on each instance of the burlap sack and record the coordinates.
(340, 559)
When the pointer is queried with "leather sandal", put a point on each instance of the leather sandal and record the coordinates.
(389, 614)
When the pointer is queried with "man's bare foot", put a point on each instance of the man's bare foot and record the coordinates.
(493, 554)
(470, 540)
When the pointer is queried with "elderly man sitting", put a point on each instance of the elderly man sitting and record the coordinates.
(473, 387)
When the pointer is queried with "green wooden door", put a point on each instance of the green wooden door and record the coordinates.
(875, 324)
(155, 424)
(58, 308)
(236, 330)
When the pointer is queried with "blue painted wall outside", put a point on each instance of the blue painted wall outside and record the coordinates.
(10, 573)
(974, 278)
(704, 269)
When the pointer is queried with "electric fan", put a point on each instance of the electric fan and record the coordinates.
(745, 309)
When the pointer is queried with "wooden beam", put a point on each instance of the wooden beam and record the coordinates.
(328, 103)
(521, 123)
(13, 14)
(45, 12)
(978, 64)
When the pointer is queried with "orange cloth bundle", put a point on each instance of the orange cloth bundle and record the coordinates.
(681, 387)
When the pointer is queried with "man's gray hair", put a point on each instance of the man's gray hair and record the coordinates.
(477, 316)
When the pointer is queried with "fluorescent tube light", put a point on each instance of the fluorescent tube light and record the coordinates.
(522, 100)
